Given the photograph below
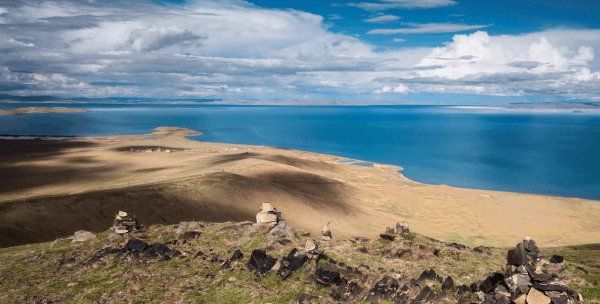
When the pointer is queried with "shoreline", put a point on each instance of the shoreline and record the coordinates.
(218, 181)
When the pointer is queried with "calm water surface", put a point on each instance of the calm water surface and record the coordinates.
(533, 152)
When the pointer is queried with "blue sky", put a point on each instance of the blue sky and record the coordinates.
(367, 51)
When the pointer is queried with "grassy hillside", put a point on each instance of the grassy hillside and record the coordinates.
(196, 267)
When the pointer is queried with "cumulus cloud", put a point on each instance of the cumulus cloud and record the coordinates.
(428, 28)
(402, 4)
(235, 50)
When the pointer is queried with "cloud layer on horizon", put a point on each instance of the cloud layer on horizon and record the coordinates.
(236, 50)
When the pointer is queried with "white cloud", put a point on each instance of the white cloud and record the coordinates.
(402, 4)
(399, 40)
(382, 19)
(236, 50)
(428, 28)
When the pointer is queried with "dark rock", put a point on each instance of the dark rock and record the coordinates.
(291, 263)
(531, 247)
(362, 249)
(550, 287)
(327, 277)
(428, 275)
(517, 256)
(518, 283)
(346, 291)
(260, 261)
(463, 289)
(491, 282)
(189, 235)
(387, 236)
(436, 251)
(501, 299)
(557, 259)
(135, 245)
(562, 298)
(199, 254)
(237, 254)
(479, 249)
(159, 250)
(383, 289)
(541, 277)
(426, 295)
(474, 287)
(457, 246)
(448, 283)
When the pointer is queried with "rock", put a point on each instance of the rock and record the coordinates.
(479, 249)
(383, 289)
(517, 256)
(266, 207)
(550, 287)
(390, 230)
(282, 229)
(327, 277)
(463, 289)
(387, 237)
(135, 245)
(362, 249)
(82, 236)
(346, 292)
(402, 227)
(260, 261)
(541, 277)
(237, 254)
(448, 283)
(474, 287)
(189, 235)
(518, 283)
(560, 298)
(310, 246)
(291, 263)
(125, 222)
(266, 217)
(428, 275)
(537, 297)
(426, 295)
(557, 259)
(491, 282)
(326, 232)
(521, 299)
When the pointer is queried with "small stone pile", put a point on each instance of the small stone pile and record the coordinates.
(125, 222)
(273, 221)
(326, 232)
(390, 233)
(528, 279)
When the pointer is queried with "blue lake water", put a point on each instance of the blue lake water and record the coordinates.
(532, 152)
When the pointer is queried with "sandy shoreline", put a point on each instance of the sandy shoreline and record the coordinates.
(54, 187)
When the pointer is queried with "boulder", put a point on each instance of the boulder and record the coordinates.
(260, 261)
(135, 245)
(327, 277)
(310, 246)
(82, 236)
(551, 287)
(537, 297)
(382, 290)
(402, 227)
(491, 282)
(556, 259)
(282, 229)
(387, 237)
(266, 217)
(447, 284)
(518, 283)
(521, 299)
(517, 256)
(291, 263)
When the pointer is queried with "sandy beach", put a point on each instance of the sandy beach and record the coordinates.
(51, 188)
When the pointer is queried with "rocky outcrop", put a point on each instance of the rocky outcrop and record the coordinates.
(528, 278)
(125, 222)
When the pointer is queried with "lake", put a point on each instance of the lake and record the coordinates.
(544, 152)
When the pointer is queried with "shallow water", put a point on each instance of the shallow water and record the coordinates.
(546, 152)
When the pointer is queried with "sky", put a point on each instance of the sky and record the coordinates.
(368, 51)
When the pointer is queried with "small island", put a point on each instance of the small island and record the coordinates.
(40, 110)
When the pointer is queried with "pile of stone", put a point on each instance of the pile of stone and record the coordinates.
(271, 219)
(391, 233)
(528, 279)
(326, 232)
(125, 222)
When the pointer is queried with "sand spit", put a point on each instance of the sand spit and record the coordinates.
(54, 188)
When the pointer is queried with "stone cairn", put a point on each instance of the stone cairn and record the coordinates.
(273, 221)
(326, 232)
(528, 279)
(125, 222)
(391, 233)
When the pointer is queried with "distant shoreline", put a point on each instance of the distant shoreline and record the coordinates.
(40, 110)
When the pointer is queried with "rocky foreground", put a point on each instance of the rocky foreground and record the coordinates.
(270, 262)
